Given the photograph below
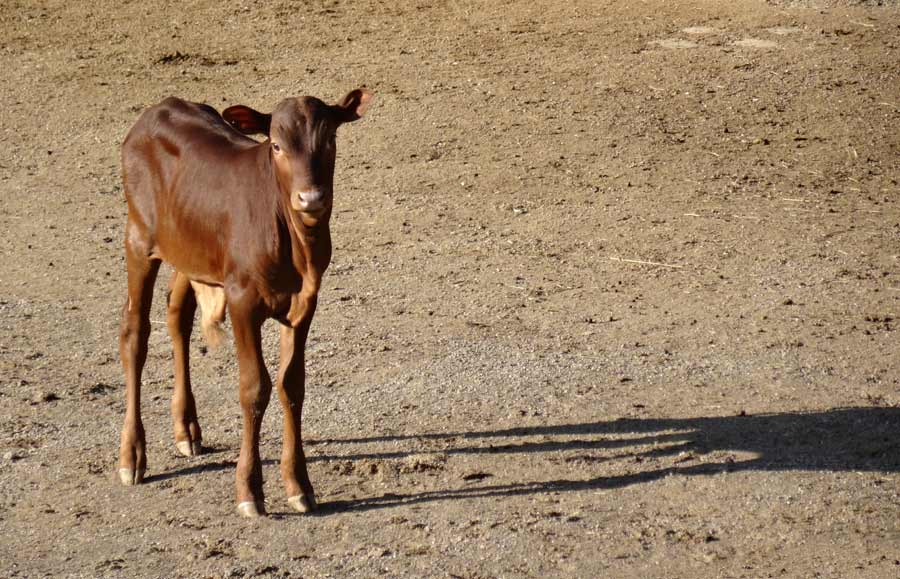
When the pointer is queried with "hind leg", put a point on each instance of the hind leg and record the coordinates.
(135, 331)
(180, 318)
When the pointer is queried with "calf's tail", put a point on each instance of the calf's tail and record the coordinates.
(211, 300)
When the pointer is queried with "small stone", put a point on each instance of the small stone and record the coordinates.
(41, 397)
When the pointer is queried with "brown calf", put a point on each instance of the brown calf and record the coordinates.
(245, 226)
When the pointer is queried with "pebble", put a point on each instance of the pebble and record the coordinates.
(40, 397)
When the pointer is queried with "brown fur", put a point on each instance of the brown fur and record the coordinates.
(245, 225)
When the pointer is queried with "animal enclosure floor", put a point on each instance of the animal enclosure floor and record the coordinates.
(615, 292)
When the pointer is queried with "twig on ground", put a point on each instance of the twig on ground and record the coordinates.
(646, 262)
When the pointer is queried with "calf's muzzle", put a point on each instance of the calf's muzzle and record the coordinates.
(311, 201)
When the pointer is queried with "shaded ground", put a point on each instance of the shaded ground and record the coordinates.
(614, 292)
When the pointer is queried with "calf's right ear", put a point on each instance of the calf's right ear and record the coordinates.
(354, 104)
(247, 120)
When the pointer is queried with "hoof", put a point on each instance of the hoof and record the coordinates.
(131, 477)
(301, 504)
(250, 509)
(188, 448)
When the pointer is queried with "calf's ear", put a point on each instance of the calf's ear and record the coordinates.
(247, 120)
(354, 105)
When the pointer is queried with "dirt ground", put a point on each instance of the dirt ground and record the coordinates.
(615, 292)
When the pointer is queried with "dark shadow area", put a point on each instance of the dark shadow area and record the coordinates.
(845, 439)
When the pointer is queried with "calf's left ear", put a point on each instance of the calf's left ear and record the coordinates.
(354, 105)
(247, 120)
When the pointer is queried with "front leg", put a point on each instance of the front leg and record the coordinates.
(255, 389)
(291, 391)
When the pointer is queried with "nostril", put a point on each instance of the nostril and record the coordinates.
(310, 196)
(310, 201)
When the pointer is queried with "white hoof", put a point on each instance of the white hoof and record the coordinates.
(248, 509)
(301, 504)
(131, 477)
(188, 448)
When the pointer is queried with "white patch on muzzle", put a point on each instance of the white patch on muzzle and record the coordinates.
(308, 201)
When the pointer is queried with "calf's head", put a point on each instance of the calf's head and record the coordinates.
(301, 143)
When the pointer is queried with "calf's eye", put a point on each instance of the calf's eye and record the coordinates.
(276, 147)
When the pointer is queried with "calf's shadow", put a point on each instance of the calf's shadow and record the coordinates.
(841, 439)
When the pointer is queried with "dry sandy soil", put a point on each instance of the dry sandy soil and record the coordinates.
(615, 292)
